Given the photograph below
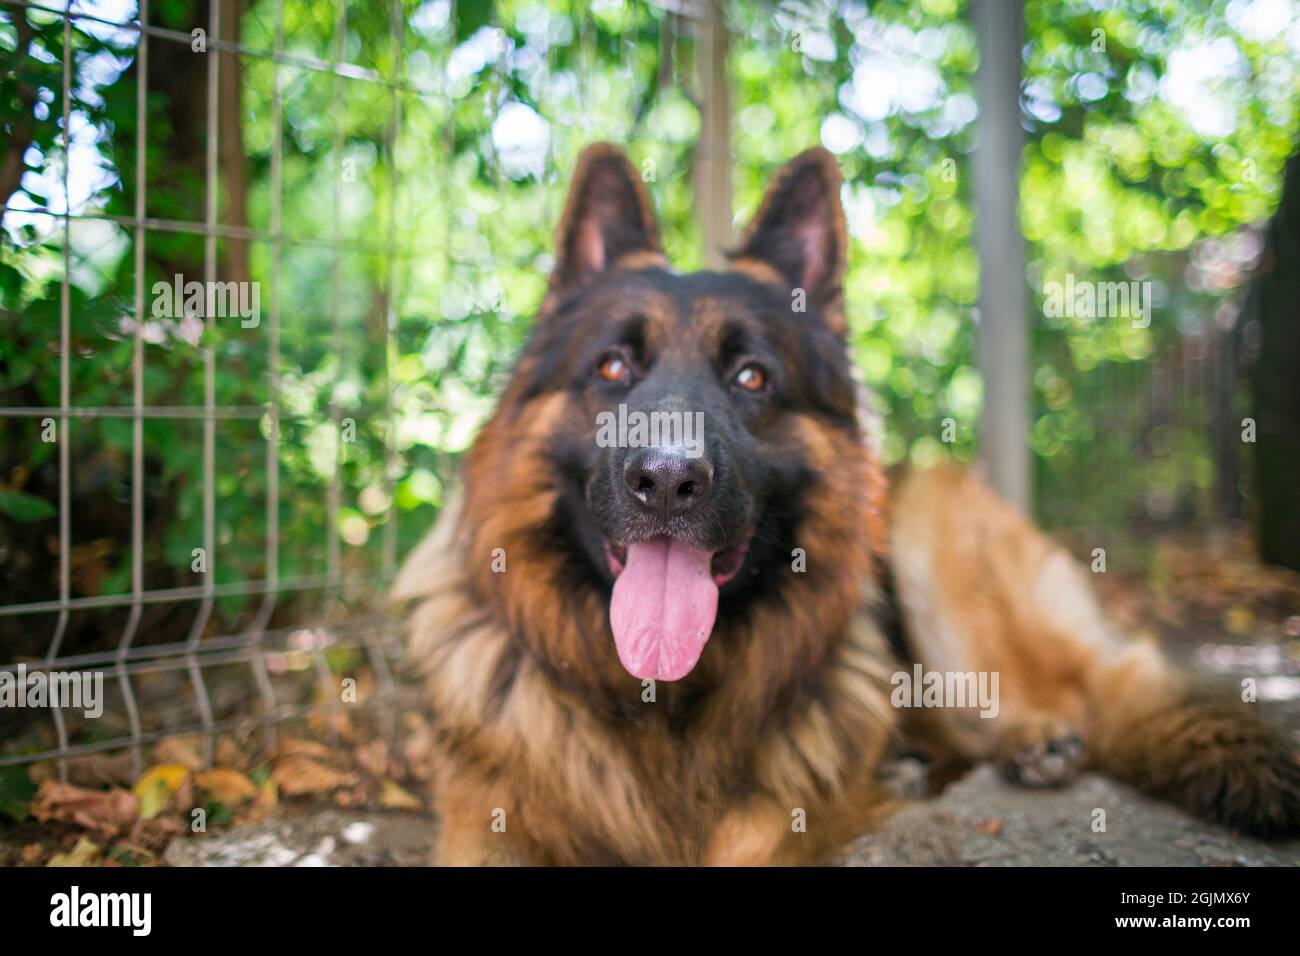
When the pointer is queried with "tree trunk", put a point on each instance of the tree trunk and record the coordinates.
(1275, 383)
(23, 131)
(234, 163)
(177, 176)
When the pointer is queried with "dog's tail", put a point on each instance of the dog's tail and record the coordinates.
(1197, 745)
(982, 589)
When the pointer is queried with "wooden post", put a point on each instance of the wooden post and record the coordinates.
(713, 151)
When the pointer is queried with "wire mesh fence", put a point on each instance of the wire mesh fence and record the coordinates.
(223, 474)
(148, 708)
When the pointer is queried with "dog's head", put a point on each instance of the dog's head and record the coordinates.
(691, 440)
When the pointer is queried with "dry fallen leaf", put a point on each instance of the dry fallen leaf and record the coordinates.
(186, 750)
(85, 853)
(393, 797)
(115, 769)
(228, 754)
(1238, 620)
(353, 797)
(268, 798)
(155, 787)
(297, 747)
(183, 799)
(105, 812)
(153, 835)
(990, 827)
(297, 776)
(229, 786)
(31, 854)
(332, 722)
(373, 757)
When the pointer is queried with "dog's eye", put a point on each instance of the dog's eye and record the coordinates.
(751, 378)
(614, 368)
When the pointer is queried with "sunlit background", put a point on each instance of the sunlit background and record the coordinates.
(411, 160)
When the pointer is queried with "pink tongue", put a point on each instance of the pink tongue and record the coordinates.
(663, 609)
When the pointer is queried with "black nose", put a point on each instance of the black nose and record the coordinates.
(666, 480)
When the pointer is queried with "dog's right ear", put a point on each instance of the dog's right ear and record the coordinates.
(606, 218)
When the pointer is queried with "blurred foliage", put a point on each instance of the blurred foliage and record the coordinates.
(1158, 136)
(419, 187)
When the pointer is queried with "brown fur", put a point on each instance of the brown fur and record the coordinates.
(536, 720)
(982, 589)
(787, 716)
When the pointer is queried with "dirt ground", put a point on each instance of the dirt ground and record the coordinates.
(344, 789)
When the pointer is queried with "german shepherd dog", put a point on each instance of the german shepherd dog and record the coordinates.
(666, 652)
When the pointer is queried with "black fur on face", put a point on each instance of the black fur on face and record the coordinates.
(727, 360)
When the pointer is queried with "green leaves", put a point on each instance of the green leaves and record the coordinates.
(16, 793)
(23, 507)
(1113, 173)
(472, 16)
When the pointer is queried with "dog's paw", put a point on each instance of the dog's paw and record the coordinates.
(1041, 751)
(905, 778)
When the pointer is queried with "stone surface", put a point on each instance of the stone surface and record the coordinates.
(982, 820)
(323, 838)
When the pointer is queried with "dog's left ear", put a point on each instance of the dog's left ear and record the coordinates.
(606, 218)
(798, 238)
